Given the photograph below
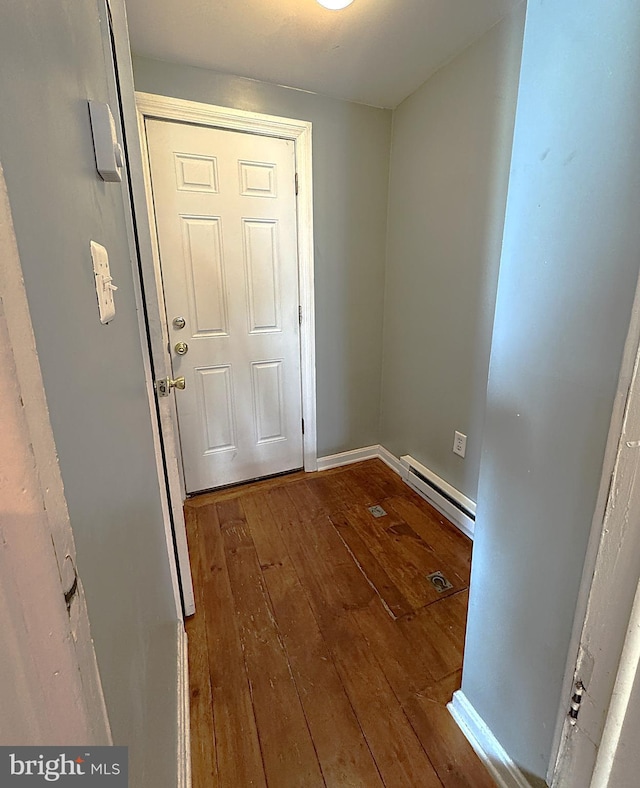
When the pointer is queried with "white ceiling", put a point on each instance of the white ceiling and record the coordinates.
(375, 51)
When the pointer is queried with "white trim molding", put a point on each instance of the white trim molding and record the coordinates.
(184, 724)
(165, 108)
(391, 460)
(348, 457)
(492, 754)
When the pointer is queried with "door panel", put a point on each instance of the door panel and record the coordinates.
(206, 291)
(226, 223)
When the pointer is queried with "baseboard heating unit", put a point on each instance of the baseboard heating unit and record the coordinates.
(446, 499)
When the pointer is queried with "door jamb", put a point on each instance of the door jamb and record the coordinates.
(605, 609)
(151, 106)
(149, 318)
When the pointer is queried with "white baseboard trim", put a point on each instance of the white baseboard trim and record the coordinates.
(503, 770)
(347, 457)
(392, 461)
(184, 724)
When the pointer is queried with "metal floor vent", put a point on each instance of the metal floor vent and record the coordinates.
(439, 582)
(377, 511)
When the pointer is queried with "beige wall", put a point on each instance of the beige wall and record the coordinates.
(449, 169)
(350, 172)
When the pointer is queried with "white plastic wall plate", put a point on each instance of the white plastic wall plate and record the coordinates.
(104, 283)
(108, 152)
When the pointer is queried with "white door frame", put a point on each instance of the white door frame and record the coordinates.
(604, 649)
(151, 106)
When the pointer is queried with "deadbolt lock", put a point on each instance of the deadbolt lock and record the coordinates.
(181, 348)
(179, 322)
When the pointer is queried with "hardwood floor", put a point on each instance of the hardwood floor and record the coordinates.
(319, 653)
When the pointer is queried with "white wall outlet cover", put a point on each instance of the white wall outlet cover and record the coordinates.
(104, 283)
(109, 159)
(459, 444)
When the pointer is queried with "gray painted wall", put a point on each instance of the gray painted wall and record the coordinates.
(568, 272)
(351, 168)
(450, 159)
(51, 62)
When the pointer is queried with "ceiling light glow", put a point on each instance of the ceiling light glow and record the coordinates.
(335, 5)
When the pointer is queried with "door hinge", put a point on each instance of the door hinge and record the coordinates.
(299, 315)
(296, 184)
(303, 426)
(576, 700)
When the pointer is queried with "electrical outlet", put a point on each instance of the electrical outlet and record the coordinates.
(459, 443)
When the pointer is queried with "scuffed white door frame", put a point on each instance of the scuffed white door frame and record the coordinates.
(601, 651)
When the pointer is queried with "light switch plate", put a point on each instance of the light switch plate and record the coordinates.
(109, 159)
(104, 284)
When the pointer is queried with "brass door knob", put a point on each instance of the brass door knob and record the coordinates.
(164, 385)
(181, 348)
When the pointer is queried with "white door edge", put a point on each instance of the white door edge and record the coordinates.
(150, 320)
(604, 608)
(165, 108)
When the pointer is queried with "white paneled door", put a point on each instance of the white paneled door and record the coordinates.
(225, 209)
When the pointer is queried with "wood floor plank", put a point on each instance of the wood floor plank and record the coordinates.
(204, 770)
(342, 585)
(340, 491)
(238, 749)
(288, 752)
(358, 489)
(406, 662)
(443, 537)
(309, 500)
(230, 512)
(453, 757)
(440, 633)
(452, 617)
(400, 757)
(392, 597)
(373, 475)
(303, 554)
(403, 555)
(344, 756)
